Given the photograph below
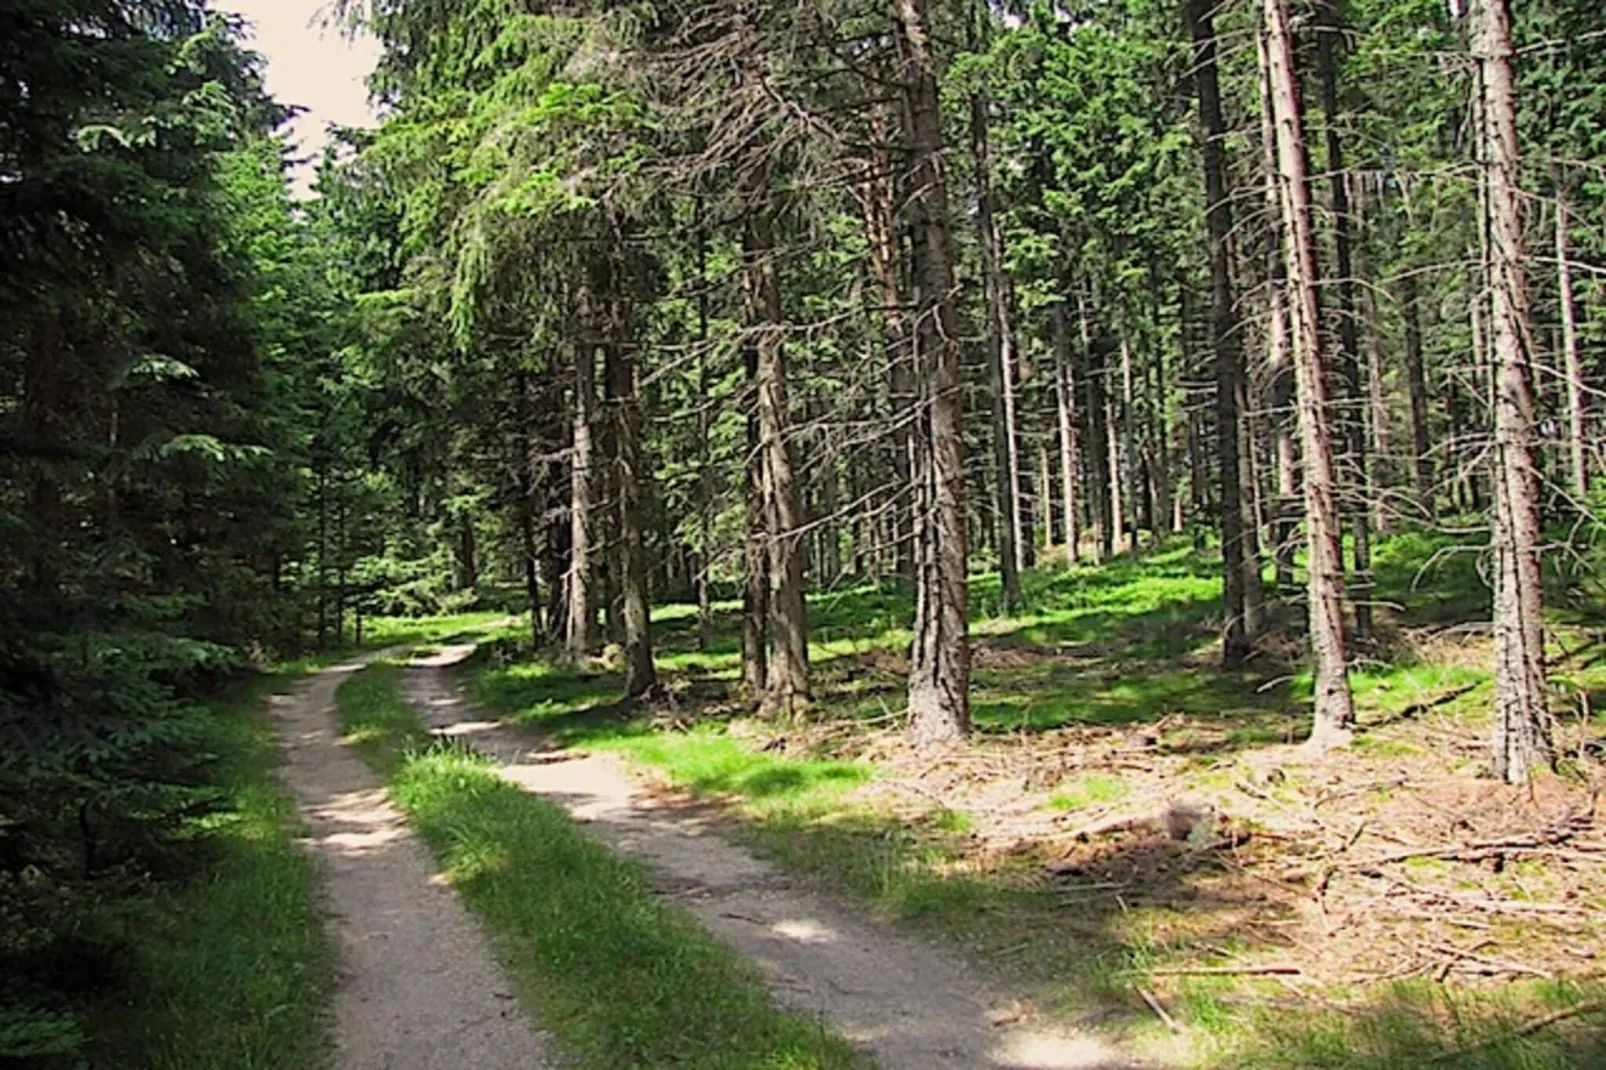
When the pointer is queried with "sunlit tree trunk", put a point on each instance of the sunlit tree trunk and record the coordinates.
(582, 614)
(1065, 411)
(1522, 729)
(1572, 366)
(1124, 465)
(939, 678)
(1334, 705)
(1279, 353)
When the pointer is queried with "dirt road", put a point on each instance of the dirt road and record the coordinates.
(419, 988)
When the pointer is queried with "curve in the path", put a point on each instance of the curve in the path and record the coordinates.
(419, 988)
(911, 1006)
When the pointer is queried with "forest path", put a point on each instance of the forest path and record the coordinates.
(418, 986)
(908, 1004)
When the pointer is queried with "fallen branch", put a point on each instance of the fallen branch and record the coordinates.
(1160, 1012)
(1224, 971)
(1588, 1006)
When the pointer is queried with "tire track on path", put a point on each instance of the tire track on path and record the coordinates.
(910, 1005)
(419, 988)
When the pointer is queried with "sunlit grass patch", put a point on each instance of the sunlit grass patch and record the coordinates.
(1086, 791)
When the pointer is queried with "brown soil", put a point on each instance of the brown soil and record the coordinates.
(1388, 861)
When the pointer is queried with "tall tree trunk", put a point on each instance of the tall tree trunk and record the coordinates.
(581, 637)
(525, 486)
(1045, 478)
(468, 561)
(704, 564)
(1099, 432)
(555, 557)
(1131, 477)
(1000, 344)
(1572, 366)
(1255, 614)
(1164, 486)
(1384, 478)
(939, 678)
(1065, 406)
(1112, 465)
(1236, 636)
(1416, 385)
(1198, 480)
(755, 584)
(878, 199)
(641, 676)
(322, 466)
(1353, 419)
(1279, 353)
(1334, 704)
(1522, 730)
(787, 683)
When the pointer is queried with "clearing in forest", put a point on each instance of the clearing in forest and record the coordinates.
(1134, 840)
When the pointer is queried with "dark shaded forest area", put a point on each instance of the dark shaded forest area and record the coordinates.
(958, 441)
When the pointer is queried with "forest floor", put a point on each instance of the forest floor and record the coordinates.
(907, 1004)
(1133, 844)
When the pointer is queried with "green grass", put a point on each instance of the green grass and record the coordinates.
(1086, 791)
(1419, 1024)
(1129, 642)
(621, 979)
(233, 970)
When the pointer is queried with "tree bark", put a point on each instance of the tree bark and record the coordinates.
(1236, 637)
(1572, 366)
(641, 676)
(1099, 432)
(1000, 346)
(581, 637)
(1279, 353)
(1125, 465)
(939, 679)
(787, 682)
(1522, 730)
(1334, 704)
(755, 584)
(1065, 406)
(1416, 385)
(1352, 419)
